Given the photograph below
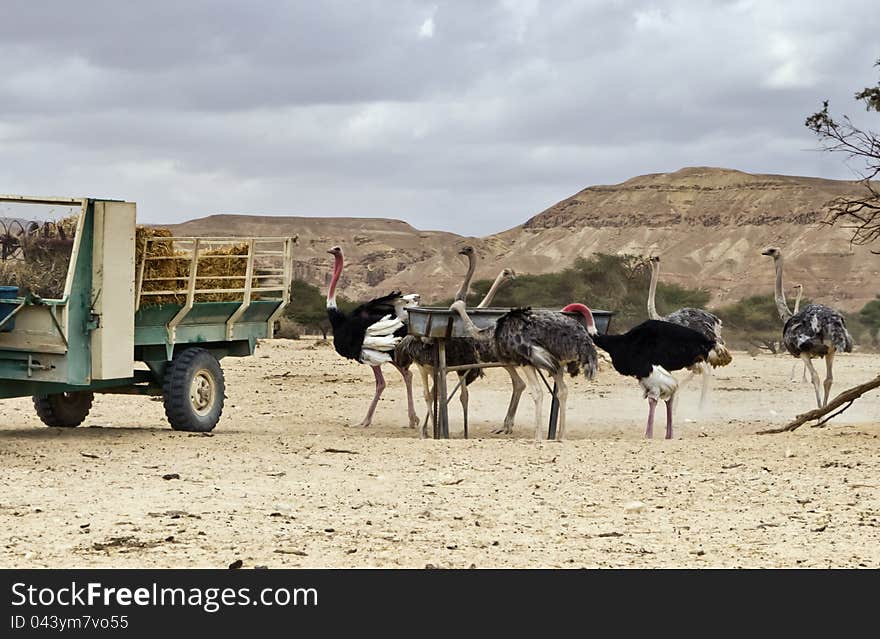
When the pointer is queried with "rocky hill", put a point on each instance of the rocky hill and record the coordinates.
(708, 224)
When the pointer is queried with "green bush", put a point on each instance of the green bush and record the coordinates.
(308, 307)
(616, 283)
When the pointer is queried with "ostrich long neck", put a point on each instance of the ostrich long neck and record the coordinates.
(797, 300)
(652, 291)
(492, 291)
(337, 271)
(781, 304)
(465, 286)
(469, 325)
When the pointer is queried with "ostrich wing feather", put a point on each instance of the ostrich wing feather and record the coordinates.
(546, 340)
(654, 343)
(814, 329)
(385, 326)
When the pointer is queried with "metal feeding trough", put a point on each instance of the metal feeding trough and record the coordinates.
(440, 324)
(426, 321)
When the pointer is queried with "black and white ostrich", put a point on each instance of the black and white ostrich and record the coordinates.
(702, 321)
(459, 352)
(545, 340)
(370, 333)
(650, 352)
(816, 331)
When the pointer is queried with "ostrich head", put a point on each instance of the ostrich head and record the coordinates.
(508, 274)
(654, 259)
(336, 251)
(467, 251)
(798, 287)
(586, 313)
(772, 251)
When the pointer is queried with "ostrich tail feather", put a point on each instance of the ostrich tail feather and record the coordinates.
(840, 337)
(542, 358)
(385, 326)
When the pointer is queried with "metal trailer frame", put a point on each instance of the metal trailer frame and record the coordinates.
(52, 346)
(440, 324)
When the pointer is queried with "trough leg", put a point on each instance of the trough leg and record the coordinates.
(440, 388)
(554, 413)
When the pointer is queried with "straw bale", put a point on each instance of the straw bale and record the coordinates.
(46, 256)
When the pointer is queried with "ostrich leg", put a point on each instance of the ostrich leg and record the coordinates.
(562, 396)
(706, 370)
(427, 393)
(829, 376)
(814, 377)
(518, 387)
(380, 386)
(669, 418)
(537, 394)
(652, 405)
(692, 371)
(411, 409)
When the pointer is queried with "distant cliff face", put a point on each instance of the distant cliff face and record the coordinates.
(708, 224)
(695, 197)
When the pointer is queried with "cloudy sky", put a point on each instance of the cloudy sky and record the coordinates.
(469, 116)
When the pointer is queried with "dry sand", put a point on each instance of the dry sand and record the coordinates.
(283, 481)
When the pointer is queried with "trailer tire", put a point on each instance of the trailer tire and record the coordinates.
(64, 410)
(193, 391)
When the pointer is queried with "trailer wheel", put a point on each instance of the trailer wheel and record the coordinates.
(193, 391)
(64, 410)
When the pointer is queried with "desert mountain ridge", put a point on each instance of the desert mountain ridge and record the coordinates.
(708, 225)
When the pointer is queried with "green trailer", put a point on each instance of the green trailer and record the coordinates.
(114, 331)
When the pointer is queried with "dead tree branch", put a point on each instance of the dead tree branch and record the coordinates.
(846, 397)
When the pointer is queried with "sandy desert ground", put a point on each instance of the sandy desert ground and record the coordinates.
(284, 481)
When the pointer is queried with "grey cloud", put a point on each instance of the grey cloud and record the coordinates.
(340, 108)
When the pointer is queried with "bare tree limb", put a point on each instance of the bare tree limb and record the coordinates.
(861, 215)
(846, 397)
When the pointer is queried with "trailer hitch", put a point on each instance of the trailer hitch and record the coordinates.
(36, 366)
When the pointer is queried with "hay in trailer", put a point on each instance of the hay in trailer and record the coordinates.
(42, 263)
(171, 273)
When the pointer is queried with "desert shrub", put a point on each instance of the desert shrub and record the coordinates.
(869, 318)
(288, 329)
(753, 323)
(616, 283)
(308, 307)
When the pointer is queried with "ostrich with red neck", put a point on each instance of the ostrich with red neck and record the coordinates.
(370, 333)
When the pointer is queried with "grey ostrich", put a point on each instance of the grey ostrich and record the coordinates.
(545, 340)
(799, 292)
(459, 352)
(706, 323)
(816, 331)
